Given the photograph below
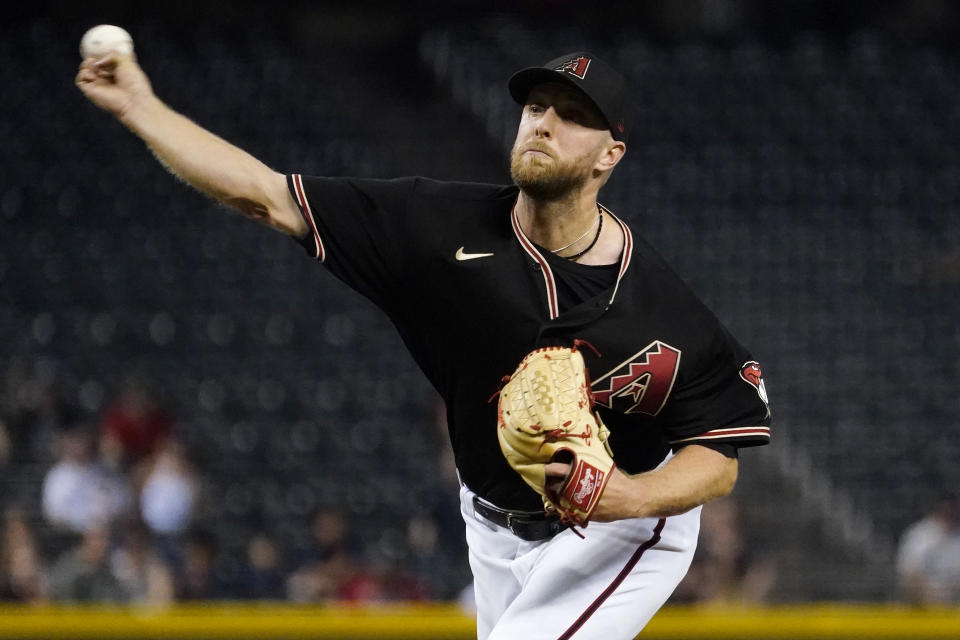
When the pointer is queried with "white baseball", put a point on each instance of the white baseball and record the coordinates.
(103, 39)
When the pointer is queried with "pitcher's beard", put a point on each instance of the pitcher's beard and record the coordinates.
(544, 179)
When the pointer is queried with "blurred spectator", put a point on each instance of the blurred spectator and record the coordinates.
(37, 416)
(261, 577)
(21, 571)
(330, 537)
(196, 577)
(430, 559)
(83, 574)
(396, 583)
(928, 557)
(319, 581)
(140, 569)
(78, 492)
(466, 600)
(726, 570)
(134, 424)
(168, 490)
(332, 568)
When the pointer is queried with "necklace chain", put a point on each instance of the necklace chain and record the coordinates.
(598, 224)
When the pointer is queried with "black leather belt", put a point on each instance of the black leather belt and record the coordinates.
(527, 525)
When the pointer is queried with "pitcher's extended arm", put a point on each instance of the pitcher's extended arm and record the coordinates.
(118, 85)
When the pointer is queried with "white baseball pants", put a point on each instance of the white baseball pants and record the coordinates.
(607, 585)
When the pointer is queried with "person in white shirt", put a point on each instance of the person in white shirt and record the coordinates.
(928, 557)
(78, 493)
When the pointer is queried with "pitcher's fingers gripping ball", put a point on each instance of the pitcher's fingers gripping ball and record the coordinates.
(103, 39)
(546, 415)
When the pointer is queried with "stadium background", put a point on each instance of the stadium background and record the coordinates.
(797, 161)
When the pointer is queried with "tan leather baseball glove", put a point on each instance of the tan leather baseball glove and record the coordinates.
(546, 415)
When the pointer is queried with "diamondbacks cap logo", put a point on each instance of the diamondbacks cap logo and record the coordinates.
(575, 66)
(753, 375)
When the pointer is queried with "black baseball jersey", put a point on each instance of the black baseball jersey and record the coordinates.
(471, 295)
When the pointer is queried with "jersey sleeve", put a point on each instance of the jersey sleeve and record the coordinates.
(358, 228)
(720, 399)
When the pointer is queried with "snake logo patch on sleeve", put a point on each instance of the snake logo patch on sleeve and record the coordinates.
(753, 375)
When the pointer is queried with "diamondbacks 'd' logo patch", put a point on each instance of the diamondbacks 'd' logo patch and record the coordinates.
(753, 375)
(642, 383)
(575, 66)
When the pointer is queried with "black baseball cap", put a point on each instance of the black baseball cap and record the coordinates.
(582, 70)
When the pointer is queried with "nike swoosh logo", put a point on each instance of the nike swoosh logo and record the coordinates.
(461, 256)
